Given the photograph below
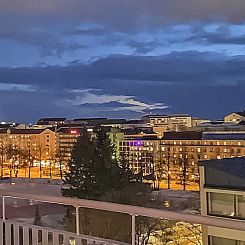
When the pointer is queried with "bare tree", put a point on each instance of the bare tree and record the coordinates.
(2, 152)
(12, 157)
(22, 161)
(150, 231)
(41, 155)
(184, 167)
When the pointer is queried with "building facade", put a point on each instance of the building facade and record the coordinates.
(222, 189)
(177, 154)
(35, 145)
(235, 117)
(65, 140)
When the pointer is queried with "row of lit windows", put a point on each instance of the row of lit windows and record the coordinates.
(203, 143)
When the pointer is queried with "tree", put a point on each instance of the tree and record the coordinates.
(2, 151)
(12, 157)
(40, 152)
(184, 168)
(95, 173)
(80, 178)
(22, 161)
(150, 231)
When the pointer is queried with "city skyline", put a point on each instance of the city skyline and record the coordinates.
(121, 59)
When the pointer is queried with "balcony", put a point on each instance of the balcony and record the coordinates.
(20, 222)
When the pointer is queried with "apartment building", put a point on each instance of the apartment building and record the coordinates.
(222, 188)
(176, 122)
(140, 150)
(66, 138)
(178, 153)
(40, 143)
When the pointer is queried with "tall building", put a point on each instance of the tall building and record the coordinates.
(222, 188)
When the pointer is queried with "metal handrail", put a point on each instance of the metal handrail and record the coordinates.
(132, 210)
(47, 229)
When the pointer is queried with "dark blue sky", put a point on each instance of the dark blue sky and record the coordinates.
(119, 58)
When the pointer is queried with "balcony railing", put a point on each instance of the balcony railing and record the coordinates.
(18, 232)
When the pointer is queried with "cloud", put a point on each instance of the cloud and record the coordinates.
(15, 86)
(199, 83)
(127, 103)
(86, 30)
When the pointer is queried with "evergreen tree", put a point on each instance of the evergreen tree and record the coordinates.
(106, 164)
(80, 178)
(95, 172)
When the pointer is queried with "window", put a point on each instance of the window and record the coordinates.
(241, 206)
(213, 240)
(221, 204)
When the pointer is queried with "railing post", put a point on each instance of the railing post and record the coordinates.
(133, 230)
(77, 221)
(4, 216)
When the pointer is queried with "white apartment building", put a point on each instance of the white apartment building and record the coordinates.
(222, 187)
(176, 122)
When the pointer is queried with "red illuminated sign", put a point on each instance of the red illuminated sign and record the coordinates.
(73, 131)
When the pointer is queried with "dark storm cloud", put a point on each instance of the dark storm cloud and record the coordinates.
(204, 84)
(195, 68)
(142, 47)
